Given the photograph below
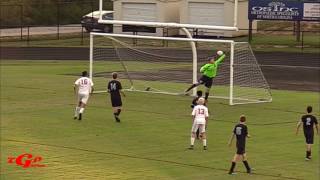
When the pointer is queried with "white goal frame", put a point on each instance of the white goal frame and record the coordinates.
(195, 61)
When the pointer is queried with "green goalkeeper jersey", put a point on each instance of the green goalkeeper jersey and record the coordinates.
(210, 69)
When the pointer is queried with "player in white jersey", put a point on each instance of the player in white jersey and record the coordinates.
(200, 117)
(85, 87)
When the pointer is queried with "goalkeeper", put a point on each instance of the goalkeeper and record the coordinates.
(209, 71)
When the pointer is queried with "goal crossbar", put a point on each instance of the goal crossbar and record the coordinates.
(161, 38)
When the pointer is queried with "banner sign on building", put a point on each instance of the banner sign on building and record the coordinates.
(284, 10)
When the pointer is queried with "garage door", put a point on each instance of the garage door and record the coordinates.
(206, 13)
(139, 12)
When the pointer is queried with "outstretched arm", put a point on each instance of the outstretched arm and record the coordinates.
(220, 59)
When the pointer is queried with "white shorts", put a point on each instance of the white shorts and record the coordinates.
(83, 98)
(201, 127)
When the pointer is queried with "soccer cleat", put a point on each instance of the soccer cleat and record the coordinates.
(80, 116)
(117, 119)
(232, 173)
(191, 147)
(75, 117)
(205, 148)
(249, 171)
(308, 158)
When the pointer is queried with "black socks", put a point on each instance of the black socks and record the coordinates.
(233, 165)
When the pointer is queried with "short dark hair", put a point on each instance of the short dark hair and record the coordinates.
(84, 73)
(114, 75)
(309, 109)
(211, 57)
(199, 93)
(242, 118)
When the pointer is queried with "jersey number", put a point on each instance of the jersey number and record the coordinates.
(113, 86)
(238, 130)
(200, 111)
(308, 123)
(84, 81)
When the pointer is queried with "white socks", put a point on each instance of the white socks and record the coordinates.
(192, 141)
(204, 141)
(76, 112)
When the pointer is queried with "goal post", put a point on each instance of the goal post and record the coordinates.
(166, 65)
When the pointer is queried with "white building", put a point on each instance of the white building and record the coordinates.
(214, 12)
(145, 10)
(204, 12)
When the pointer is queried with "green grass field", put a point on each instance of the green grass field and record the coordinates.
(37, 105)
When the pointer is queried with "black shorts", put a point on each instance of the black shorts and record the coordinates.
(116, 101)
(206, 81)
(309, 138)
(241, 149)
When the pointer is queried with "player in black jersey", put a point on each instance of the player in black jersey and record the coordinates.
(309, 122)
(115, 88)
(194, 103)
(241, 133)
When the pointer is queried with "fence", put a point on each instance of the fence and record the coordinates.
(30, 23)
(77, 35)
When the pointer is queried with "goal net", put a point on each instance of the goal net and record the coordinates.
(166, 65)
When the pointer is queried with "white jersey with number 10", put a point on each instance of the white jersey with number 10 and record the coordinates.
(200, 112)
(84, 84)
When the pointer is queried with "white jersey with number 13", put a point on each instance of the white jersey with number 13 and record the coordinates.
(200, 112)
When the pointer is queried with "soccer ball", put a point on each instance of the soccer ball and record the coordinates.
(220, 53)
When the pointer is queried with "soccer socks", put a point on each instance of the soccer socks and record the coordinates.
(81, 110)
(204, 142)
(119, 111)
(192, 141)
(308, 154)
(206, 96)
(76, 112)
(191, 87)
(116, 116)
(246, 164)
(233, 165)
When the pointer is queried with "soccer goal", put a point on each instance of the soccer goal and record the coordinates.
(169, 65)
